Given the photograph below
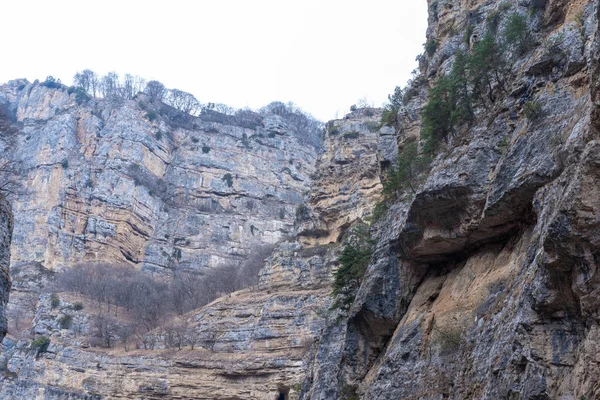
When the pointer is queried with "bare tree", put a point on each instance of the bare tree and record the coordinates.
(30, 303)
(156, 91)
(188, 292)
(308, 129)
(110, 86)
(105, 331)
(224, 109)
(132, 85)
(10, 183)
(125, 331)
(183, 101)
(193, 336)
(88, 81)
(248, 273)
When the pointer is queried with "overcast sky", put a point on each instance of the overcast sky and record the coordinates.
(323, 55)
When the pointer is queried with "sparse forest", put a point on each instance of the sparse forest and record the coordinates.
(131, 306)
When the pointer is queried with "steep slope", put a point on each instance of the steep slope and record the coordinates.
(140, 183)
(252, 344)
(6, 227)
(484, 283)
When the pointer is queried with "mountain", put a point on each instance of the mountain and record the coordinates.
(445, 247)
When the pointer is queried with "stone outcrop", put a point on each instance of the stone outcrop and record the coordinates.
(347, 182)
(141, 183)
(6, 227)
(484, 283)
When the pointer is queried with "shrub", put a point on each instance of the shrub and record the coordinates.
(516, 33)
(351, 135)
(438, 114)
(450, 104)
(80, 95)
(333, 129)
(51, 83)
(533, 110)
(503, 145)
(151, 115)
(158, 135)
(245, 140)
(65, 163)
(493, 21)
(353, 261)
(41, 344)
(410, 164)
(65, 321)
(388, 118)
(195, 139)
(485, 65)
(89, 183)
(54, 300)
(302, 212)
(142, 177)
(205, 149)
(379, 211)
(228, 179)
(431, 46)
(372, 126)
(78, 306)
(390, 110)
(449, 339)
(468, 33)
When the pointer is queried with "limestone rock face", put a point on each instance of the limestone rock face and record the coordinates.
(347, 182)
(6, 227)
(131, 182)
(484, 283)
(252, 344)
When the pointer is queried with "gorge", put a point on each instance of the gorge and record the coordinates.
(475, 194)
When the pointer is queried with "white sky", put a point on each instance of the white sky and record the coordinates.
(322, 55)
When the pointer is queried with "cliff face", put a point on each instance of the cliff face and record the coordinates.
(6, 227)
(484, 283)
(133, 182)
(252, 344)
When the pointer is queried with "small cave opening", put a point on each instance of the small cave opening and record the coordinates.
(284, 393)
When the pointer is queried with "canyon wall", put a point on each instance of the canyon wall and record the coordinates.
(484, 281)
(252, 344)
(140, 183)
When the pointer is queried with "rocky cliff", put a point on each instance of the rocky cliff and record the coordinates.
(484, 281)
(6, 227)
(252, 344)
(140, 183)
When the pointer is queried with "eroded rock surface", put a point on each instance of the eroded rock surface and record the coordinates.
(131, 182)
(6, 227)
(484, 282)
(252, 344)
